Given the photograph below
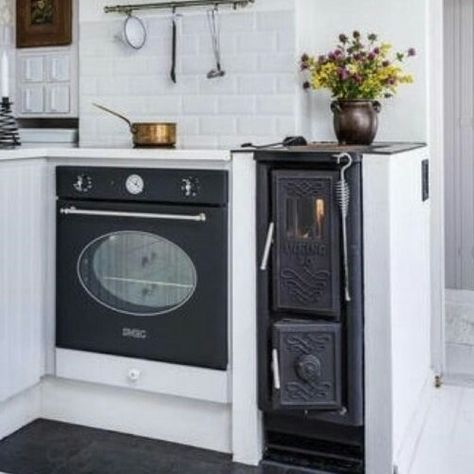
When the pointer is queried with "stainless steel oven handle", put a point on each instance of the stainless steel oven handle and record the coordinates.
(276, 370)
(268, 247)
(138, 215)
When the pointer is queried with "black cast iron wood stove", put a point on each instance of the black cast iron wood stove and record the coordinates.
(310, 317)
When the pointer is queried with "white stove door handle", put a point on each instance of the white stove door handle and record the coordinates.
(268, 247)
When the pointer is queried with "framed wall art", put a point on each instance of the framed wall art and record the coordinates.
(43, 23)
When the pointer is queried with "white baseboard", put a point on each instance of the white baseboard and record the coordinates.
(19, 411)
(407, 451)
(178, 420)
(155, 377)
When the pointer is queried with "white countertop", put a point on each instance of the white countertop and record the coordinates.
(116, 154)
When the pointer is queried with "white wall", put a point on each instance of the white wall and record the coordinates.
(399, 22)
(254, 102)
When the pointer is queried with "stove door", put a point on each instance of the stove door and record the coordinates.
(306, 365)
(307, 266)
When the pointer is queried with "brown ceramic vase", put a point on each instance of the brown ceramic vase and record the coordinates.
(356, 121)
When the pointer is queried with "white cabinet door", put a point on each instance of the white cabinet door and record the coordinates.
(32, 68)
(32, 99)
(59, 68)
(22, 275)
(58, 99)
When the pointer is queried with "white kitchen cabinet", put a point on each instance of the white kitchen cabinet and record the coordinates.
(32, 100)
(47, 83)
(58, 99)
(22, 275)
(59, 68)
(32, 68)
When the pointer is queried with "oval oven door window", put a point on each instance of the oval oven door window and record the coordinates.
(137, 273)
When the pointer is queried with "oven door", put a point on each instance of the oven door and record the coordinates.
(306, 258)
(143, 280)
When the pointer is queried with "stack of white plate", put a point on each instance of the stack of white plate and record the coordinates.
(49, 137)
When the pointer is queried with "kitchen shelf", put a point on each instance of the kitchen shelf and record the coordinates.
(128, 9)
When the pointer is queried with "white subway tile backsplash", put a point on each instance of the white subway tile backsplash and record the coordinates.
(280, 105)
(286, 42)
(236, 105)
(199, 105)
(238, 22)
(277, 62)
(288, 83)
(253, 102)
(286, 126)
(256, 84)
(276, 21)
(163, 105)
(241, 63)
(256, 126)
(217, 125)
(258, 42)
(192, 64)
(219, 86)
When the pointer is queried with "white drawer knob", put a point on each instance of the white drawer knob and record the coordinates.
(134, 375)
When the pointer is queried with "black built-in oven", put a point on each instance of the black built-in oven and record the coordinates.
(142, 263)
(310, 317)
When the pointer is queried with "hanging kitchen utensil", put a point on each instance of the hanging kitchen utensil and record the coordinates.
(343, 196)
(148, 134)
(134, 32)
(174, 41)
(214, 28)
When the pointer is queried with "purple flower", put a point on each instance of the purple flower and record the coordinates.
(304, 58)
(371, 56)
(332, 56)
(337, 53)
(343, 38)
(306, 85)
(322, 59)
(343, 73)
(377, 51)
(304, 66)
(412, 52)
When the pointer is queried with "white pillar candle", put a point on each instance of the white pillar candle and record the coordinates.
(5, 75)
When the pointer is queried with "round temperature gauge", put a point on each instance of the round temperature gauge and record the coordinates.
(135, 184)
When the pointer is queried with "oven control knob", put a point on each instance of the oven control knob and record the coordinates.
(190, 187)
(83, 183)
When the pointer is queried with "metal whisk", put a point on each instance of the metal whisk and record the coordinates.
(343, 196)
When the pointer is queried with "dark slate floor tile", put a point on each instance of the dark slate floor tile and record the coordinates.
(46, 447)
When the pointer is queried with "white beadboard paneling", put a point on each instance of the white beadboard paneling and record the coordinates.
(22, 275)
(459, 128)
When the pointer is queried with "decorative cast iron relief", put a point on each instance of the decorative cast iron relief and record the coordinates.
(309, 365)
(307, 247)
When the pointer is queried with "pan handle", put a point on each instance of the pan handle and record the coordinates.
(125, 119)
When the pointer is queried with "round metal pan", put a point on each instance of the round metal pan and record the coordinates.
(148, 134)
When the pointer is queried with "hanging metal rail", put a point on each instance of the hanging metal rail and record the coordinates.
(128, 9)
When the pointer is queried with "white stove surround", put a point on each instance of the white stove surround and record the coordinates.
(204, 408)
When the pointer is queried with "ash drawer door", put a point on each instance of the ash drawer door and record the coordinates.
(306, 366)
(306, 257)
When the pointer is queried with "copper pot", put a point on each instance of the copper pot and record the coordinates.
(148, 134)
(356, 121)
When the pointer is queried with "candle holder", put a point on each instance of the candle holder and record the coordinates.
(9, 133)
